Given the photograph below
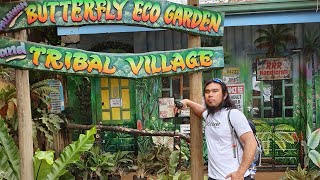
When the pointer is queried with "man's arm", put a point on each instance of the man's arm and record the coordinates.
(195, 107)
(249, 150)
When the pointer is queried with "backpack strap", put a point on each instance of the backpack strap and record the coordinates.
(233, 132)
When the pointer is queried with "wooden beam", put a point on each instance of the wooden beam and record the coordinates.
(24, 118)
(120, 129)
(195, 121)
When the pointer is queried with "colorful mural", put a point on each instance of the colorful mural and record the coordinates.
(150, 13)
(29, 55)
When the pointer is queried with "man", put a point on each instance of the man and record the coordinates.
(226, 158)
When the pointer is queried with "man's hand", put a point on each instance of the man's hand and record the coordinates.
(184, 105)
(235, 176)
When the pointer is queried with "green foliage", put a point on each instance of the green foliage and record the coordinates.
(144, 162)
(3, 175)
(94, 163)
(301, 174)
(9, 161)
(280, 136)
(5, 73)
(171, 172)
(71, 153)
(311, 45)
(148, 89)
(144, 144)
(42, 164)
(122, 160)
(83, 92)
(275, 39)
(313, 140)
(47, 124)
(7, 95)
(40, 91)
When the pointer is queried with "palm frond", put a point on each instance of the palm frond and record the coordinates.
(285, 136)
(284, 127)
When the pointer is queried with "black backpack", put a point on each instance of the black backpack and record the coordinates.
(259, 150)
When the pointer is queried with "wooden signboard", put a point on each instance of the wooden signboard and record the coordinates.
(151, 13)
(274, 69)
(28, 55)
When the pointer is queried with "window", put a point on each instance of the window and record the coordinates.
(176, 86)
(271, 99)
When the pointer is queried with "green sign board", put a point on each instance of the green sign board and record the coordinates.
(28, 55)
(148, 13)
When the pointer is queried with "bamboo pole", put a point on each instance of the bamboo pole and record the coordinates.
(195, 122)
(24, 118)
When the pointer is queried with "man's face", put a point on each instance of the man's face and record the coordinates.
(213, 95)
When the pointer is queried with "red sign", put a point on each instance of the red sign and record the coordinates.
(236, 88)
(273, 69)
(236, 93)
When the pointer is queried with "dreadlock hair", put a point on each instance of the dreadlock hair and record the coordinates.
(226, 103)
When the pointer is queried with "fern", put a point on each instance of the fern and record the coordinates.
(47, 124)
(72, 153)
(10, 152)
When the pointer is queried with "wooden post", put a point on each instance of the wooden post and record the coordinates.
(195, 121)
(24, 118)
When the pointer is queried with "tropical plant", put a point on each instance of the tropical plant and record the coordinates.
(70, 154)
(7, 96)
(8, 102)
(3, 175)
(5, 73)
(144, 163)
(301, 174)
(40, 92)
(275, 38)
(9, 161)
(94, 163)
(311, 51)
(46, 124)
(313, 140)
(44, 165)
(172, 173)
(280, 135)
(122, 160)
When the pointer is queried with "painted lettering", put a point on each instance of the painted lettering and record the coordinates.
(37, 51)
(192, 18)
(9, 17)
(53, 58)
(146, 11)
(106, 68)
(13, 51)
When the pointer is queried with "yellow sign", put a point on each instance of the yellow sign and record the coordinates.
(231, 71)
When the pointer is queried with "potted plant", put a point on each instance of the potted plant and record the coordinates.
(145, 162)
(94, 163)
(301, 174)
(122, 161)
(170, 171)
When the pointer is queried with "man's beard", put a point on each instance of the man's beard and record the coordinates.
(213, 109)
